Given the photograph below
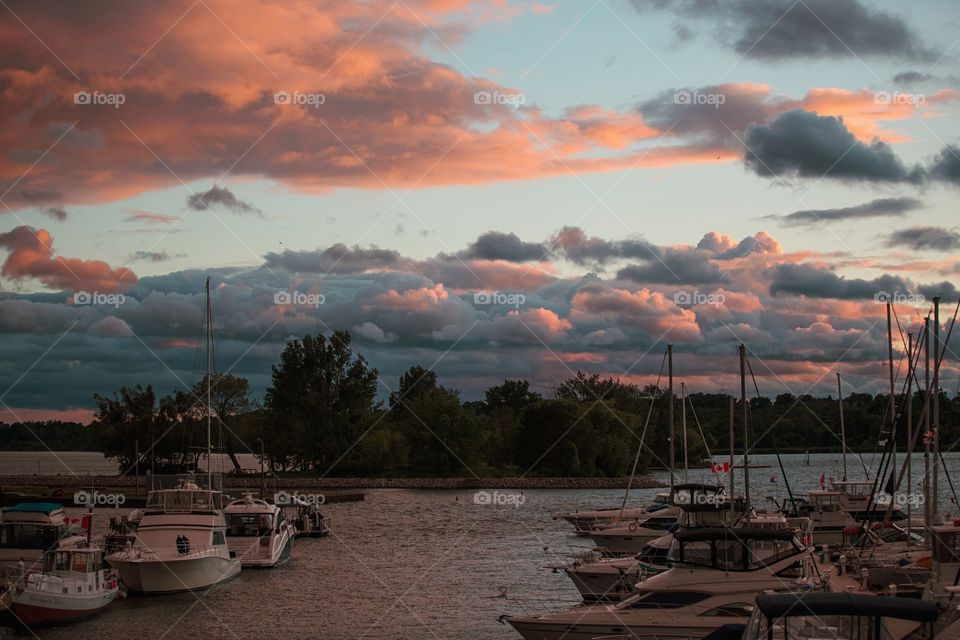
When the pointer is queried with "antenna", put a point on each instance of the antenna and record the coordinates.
(209, 405)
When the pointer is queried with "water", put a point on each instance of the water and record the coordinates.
(406, 565)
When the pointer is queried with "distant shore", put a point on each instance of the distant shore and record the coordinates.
(18, 482)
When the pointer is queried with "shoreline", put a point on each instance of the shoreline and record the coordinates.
(18, 482)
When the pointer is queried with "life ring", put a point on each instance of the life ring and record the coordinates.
(633, 526)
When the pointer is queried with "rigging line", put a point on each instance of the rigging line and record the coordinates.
(643, 436)
(773, 439)
(703, 436)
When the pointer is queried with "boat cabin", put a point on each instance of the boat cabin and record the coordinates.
(852, 616)
(187, 498)
(734, 549)
(29, 529)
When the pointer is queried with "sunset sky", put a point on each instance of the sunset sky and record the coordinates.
(624, 173)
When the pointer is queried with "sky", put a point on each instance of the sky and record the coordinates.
(500, 189)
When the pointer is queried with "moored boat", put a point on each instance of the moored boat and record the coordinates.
(258, 533)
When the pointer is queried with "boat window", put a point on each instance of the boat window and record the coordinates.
(218, 538)
(668, 599)
(176, 500)
(30, 536)
(795, 570)
(730, 555)
(79, 563)
(61, 562)
(764, 552)
(249, 524)
(698, 553)
(201, 501)
(653, 555)
(732, 610)
(154, 500)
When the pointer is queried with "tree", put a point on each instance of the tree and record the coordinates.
(321, 399)
(229, 397)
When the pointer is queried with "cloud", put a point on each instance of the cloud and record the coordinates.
(779, 30)
(137, 215)
(149, 256)
(804, 144)
(946, 165)
(925, 239)
(56, 213)
(817, 282)
(494, 245)
(219, 197)
(879, 208)
(337, 258)
(32, 257)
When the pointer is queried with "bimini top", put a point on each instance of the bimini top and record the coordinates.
(813, 603)
(728, 533)
(34, 507)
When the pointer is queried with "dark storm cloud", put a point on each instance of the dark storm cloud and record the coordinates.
(816, 282)
(56, 213)
(909, 78)
(879, 208)
(946, 165)
(39, 195)
(943, 289)
(801, 143)
(337, 258)
(784, 29)
(675, 266)
(576, 246)
(494, 245)
(925, 238)
(219, 196)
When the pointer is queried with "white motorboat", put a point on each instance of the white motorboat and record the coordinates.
(258, 533)
(30, 529)
(180, 544)
(715, 576)
(587, 520)
(613, 579)
(71, 584)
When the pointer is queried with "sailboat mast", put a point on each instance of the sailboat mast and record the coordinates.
(909, 424)
(683, 421)
(927, 500)
(843, 431)
(209, 368)
(935, 506)
(893, 399)
(670, 405)
(746, 440)
(732, 422)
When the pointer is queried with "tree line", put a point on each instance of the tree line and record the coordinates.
(322, 414)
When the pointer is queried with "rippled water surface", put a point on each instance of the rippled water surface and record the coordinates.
(406, 564)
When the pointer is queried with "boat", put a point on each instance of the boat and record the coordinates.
(180, 544)
(121, 531)
(30, 529)
(71, 584)
(611, 579)
(587, 520)
(715, 575)
(841, 616)
(258, 533)
(306, 517)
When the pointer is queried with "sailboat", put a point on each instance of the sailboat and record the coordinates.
(181, 540)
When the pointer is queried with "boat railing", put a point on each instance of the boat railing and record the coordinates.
(141, 552)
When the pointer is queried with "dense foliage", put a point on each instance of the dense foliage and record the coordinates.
(321, 415)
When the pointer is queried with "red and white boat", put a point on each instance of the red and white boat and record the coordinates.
(72, 584)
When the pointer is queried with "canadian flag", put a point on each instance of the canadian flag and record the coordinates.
(720, 467)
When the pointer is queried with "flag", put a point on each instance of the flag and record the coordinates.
(85, 522)
(720, 467)
(823, 480)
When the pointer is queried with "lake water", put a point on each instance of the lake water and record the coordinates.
(403, 565)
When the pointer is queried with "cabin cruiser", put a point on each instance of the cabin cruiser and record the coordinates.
(180, 544)
(845, 504)
(614, 578)
(715, 575)
(30, 529)
(627, 539)
(841, 616)
(587, 520)
(257, 532)
(69, 584)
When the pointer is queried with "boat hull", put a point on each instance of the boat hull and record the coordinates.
(35, 609)
(174, 576)
(532, 629)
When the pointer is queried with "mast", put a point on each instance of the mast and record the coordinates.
(732, 421)
(893, 399)
(670, 410)
(683, 421)
(935, 506)
(746, 440)
(209, 367)
(927, 501)
(909, 426)
(843, 431)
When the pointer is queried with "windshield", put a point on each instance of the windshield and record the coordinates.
(253, 524)
(814, 628)
(30, 536)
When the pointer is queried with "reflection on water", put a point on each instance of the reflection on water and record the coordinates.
(406, 564)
